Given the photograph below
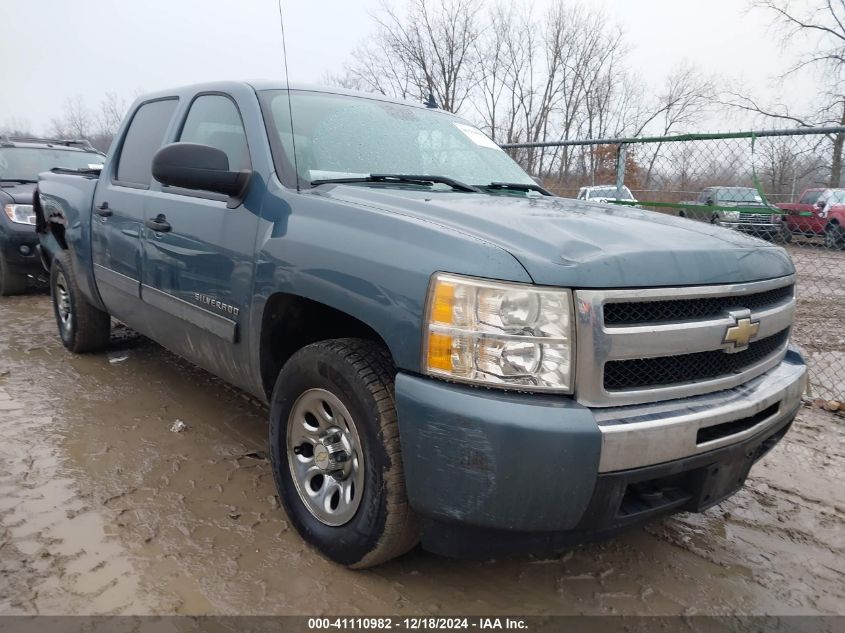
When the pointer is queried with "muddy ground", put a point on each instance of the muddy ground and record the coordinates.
(104, 510)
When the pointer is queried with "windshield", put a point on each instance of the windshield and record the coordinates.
(25, 163)
(609, 192)
(339, 136)
(739, 194)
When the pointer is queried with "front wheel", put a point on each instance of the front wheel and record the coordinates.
(834, 237)
(334, 449)
(82, 327)
(11, 283)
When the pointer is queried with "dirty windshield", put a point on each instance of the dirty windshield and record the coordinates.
(340, 136)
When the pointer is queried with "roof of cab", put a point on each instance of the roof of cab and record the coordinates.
(259, 85)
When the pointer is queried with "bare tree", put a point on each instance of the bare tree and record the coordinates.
(427, 50)
(16, 126)
(98, 126)
(76, 120)
(821, 26)
(110, 114)
(686, 97)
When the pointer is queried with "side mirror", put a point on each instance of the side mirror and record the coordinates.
(709, 202)
(201, 167)
(819, 204)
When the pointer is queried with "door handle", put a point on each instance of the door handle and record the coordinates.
(159, 224)
(103, 210)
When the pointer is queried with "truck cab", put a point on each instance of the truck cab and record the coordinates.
(739, 208)
(606, 193)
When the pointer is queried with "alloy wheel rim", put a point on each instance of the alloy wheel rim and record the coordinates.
(325, 457)
(63, 302)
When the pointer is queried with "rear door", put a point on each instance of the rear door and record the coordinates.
(119, 204)
(198, 269)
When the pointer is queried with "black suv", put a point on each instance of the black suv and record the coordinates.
(21, 160)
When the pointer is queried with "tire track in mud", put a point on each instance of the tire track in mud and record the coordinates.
(103, 509)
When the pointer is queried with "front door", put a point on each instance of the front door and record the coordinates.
(119, 204)
(198, 252)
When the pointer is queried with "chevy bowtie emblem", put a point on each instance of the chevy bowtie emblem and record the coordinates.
(741, 333)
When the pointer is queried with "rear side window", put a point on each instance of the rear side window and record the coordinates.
(143, 139)
(214, 120)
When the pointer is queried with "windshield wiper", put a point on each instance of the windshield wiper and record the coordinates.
(399, 178)
(517, 186)
(22, 181)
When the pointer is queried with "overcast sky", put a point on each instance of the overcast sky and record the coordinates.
(55, 49)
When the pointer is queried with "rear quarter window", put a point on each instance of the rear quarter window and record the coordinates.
(143, 139)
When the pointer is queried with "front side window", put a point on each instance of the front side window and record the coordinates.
(338, 136)
(810, 197)
(25, 163)
(214, 120)
(143, 139)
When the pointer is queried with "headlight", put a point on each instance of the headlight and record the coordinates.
(21, 213)
(499, 334)
(730, 216)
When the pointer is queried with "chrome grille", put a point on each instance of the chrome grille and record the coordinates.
(669, 370)
(648, 345)
(634, 312)
(756, 218)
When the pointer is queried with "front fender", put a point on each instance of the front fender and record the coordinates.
(371, 264)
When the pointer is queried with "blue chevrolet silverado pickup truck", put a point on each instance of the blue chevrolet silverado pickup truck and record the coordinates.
(450, 354)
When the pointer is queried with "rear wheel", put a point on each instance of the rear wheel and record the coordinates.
(82, 327)
(834, 237)
(11, 283)
(334, 448)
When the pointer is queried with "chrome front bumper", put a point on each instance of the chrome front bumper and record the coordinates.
(642, 435)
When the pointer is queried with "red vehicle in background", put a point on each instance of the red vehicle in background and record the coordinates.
(819, 211)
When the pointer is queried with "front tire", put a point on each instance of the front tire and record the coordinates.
(335, 454)
(11, 283)
(82, 327)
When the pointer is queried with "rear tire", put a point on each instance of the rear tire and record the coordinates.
(82, 327)
(346, 386)
(11, 283)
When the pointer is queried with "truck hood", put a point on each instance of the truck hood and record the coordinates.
(20, 193)
(571, 243)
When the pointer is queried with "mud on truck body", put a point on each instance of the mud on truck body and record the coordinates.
(449, 353)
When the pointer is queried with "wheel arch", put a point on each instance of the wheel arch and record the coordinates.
(289, 322)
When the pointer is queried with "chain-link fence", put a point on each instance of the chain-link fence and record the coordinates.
(783, 186)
